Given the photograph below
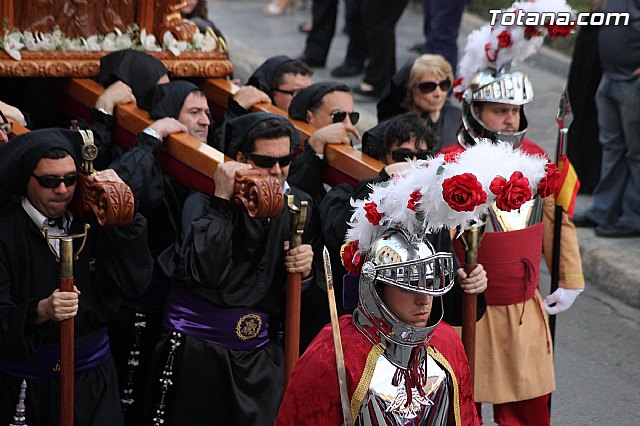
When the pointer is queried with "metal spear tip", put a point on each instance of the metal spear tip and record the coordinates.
(564, 117)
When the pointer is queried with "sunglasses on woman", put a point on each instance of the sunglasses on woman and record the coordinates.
(429, 86)
(267, 162)
(400, 155)
(52, 182)
(339, 116)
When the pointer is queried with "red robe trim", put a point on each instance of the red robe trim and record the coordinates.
(312, 396)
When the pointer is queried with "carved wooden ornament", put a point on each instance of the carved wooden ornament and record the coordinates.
(111, 203)
(261, 195)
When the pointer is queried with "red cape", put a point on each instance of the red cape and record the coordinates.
(312, 396)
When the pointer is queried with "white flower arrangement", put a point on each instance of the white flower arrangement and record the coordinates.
(16, 41)
(451, 190)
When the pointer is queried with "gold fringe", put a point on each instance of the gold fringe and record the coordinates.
(365, 380)
(456, 390)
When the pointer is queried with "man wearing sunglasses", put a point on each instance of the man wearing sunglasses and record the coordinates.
(327, 106)
(229, 270)
(282, 78)
(41, 168)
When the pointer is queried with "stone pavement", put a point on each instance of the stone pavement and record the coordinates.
(252, 37)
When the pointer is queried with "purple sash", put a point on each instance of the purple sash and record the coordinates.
(234, 328)
(45, 364)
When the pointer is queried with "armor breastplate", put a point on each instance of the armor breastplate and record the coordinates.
(384, 403)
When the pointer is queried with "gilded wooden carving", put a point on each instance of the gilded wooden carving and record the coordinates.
(111, 203)
(261, 195)
(84, 65)
(168, 18)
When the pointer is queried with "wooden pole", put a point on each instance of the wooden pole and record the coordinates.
(66, 338)
(471, 239)
(337, 342)
(298, 217)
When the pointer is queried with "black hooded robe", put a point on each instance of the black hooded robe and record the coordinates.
(114, 263)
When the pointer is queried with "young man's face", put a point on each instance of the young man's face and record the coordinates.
(52, 202)
(500, 117)
(409, 307)
(268, 151)
(291, 83)
(195, 115)
(407, 149)
(332, 103)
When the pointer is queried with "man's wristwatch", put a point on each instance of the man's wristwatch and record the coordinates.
(151, 132)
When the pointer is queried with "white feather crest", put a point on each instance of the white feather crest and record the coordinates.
(482, 49)
(485, 161)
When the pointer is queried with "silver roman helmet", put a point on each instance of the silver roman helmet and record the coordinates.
(413, 265)
(499, 86)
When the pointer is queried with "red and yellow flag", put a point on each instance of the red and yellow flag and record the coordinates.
(568, 185)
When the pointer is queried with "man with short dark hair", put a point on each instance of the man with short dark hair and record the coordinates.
(281, 78)
(221, 357)
(329, 107)
(41, 166)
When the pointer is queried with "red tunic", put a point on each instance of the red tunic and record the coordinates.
(312, 396)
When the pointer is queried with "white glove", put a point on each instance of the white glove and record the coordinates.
(563, 298)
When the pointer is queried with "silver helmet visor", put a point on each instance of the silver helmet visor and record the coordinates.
(433, 276)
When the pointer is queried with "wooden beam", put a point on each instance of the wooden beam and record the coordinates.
(182, 146)
(345, 162)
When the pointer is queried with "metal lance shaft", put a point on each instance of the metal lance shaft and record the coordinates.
(66, 337)
(471, 240)
(564, 118)
(298, 217)
(337, 342)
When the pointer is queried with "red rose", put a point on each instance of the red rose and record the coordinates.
(547, 185)
(463, 192)
(504, 39)
(557, 31)
(351, 259)
(414, 199)
(373, 215)
(487, 52)
(451, 157)
(497, 184)
(531, 32)
(514, 193)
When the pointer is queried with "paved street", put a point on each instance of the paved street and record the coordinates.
(598, 340)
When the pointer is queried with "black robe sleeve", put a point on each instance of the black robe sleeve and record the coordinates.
(128, 263)
(202, 255)
(140, 170)
(306, 173)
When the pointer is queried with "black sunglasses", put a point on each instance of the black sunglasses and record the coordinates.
(288, 92)
(339, 116)
(53, 182)
(400, 155)
(267, 162)
(429, 86)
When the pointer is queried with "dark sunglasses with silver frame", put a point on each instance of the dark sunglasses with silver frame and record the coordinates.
(340, 116)
(52, 182)
(267, 162)
(291, 93)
